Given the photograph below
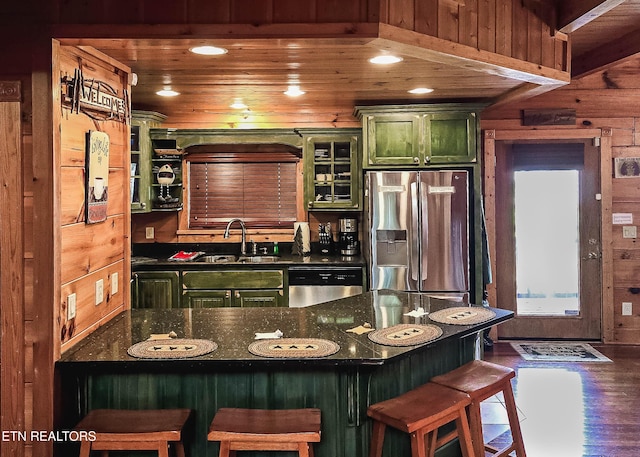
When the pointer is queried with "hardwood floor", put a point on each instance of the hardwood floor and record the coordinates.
(572, 409)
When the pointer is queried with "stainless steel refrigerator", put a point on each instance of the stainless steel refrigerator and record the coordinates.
(418, 231)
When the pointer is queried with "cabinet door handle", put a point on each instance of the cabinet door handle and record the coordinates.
(416, 160)
(227, 294)
(427, 159)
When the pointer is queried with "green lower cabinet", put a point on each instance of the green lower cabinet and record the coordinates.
(239, 298)
(206, 299)
(256, 298)
(240, 288)
(155, 289)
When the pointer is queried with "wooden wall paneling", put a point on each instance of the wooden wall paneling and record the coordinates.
(504, 25)
(468, 22)
(534, 39)
(426, 17)
(548, 46)
(208, 12)
(73, 136)
(163, 11)
(46, 122)
(85, 248)
(626, 190)
(520, 22)
(402, 14)
(449, 20)
(165, 227)
(606, 212)
(290, 11)
(252, 12)
(89, 314)
(489, 200)
(487, 25)
(625, 151)
(12, 362)
(562, 52)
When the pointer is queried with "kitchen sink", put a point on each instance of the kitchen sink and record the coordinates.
(259, 258)
(221, 258)
(229, 258)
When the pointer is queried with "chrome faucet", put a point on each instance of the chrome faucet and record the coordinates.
(243, 246)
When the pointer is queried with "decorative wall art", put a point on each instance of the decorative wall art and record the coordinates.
(627, 167)
(97, 177)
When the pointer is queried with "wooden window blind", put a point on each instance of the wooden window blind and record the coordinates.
(262, 194)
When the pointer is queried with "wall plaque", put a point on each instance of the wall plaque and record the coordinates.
(97, 177)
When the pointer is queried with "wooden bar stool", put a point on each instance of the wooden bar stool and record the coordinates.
(421, 412)
(240, 429)
(481, 380)
(134, 430)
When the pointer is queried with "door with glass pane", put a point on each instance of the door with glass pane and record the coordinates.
(548, 240)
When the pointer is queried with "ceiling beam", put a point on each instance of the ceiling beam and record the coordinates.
(410, 43)
(573, 14)
(606, 55)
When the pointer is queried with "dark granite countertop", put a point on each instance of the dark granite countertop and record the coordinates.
(156, 257)
(233, 329)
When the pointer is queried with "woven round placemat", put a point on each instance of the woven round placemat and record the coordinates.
(173, 348)
(405, 334)
(462, 315)
(287, 348)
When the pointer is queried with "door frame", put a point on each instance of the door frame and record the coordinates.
(604, 137)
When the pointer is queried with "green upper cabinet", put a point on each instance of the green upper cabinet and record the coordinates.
(332, 169)
(141, 153)
(419, 135)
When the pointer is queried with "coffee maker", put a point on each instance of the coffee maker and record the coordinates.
(348, 242)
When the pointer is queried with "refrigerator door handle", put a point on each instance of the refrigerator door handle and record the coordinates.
(414, 255)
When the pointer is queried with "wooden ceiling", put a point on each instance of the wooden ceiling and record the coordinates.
(336, 74)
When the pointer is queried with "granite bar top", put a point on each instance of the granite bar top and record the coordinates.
(233, 330)
(156, 257)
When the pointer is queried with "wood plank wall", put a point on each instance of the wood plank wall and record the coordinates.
(90, 252)
(503, 27)
(12, 282)
(254, 12)
(604, 100)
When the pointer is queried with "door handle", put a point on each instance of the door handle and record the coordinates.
(592, 256)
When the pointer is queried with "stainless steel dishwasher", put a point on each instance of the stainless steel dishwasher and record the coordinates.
(318, 284)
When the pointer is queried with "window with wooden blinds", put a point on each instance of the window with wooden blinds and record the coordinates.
(262, 194)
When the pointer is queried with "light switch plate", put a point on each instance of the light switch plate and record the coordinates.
(71, 306)
(114, 283)
(99, 291)
(149, 233)
(627, 308)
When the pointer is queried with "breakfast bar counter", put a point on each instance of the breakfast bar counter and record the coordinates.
(340, 356)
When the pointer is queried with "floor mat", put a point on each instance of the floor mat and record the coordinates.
(558, 352)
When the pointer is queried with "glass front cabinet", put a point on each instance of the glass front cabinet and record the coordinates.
(141, 176)
(332, 170)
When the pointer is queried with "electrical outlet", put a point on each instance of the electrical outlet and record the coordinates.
(629, 231)
(149, 233)
(99, 291)
(114, 283)
(627, 308)
(71, 306)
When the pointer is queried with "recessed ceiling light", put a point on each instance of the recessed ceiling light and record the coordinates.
(421, 90)
(384, 59)
(238, 104)
(294, 91)
(208, 50)
(167, 93)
